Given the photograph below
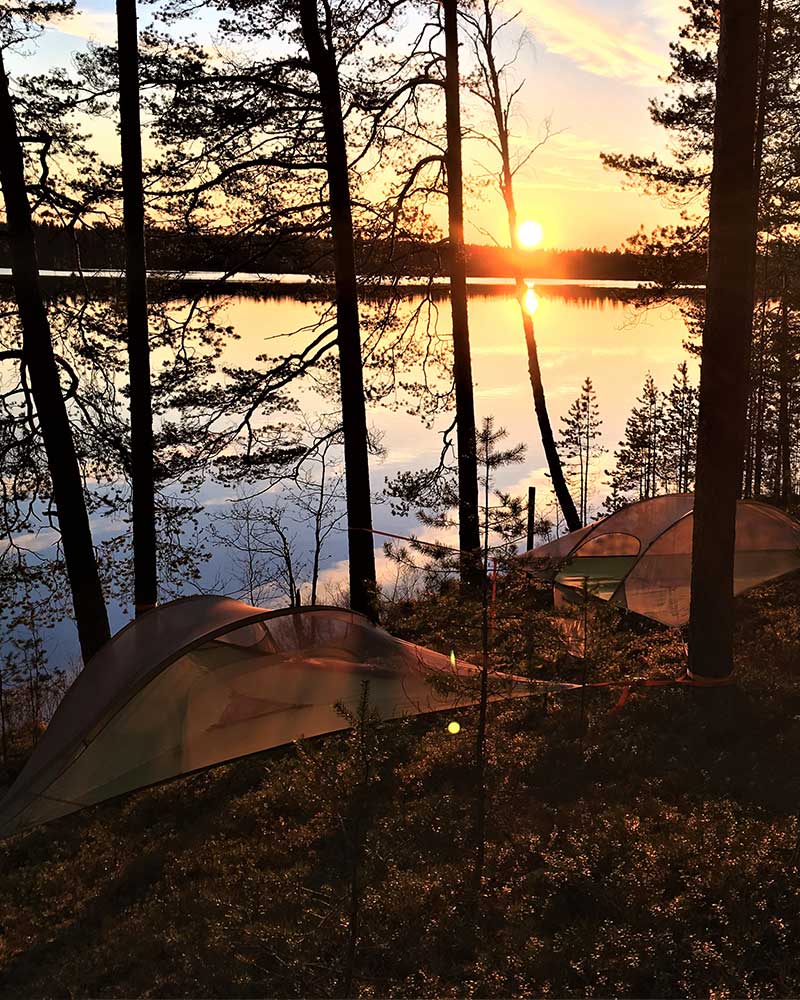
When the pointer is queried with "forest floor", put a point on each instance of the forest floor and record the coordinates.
(651, 852)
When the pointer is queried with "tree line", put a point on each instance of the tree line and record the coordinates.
(102, 247)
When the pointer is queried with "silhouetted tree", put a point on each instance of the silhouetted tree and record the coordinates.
(687, 112)
(726, 341)
(493, 89)
(283, 139)
(145, 571)
(40, 368)
(323, 61)
(579, 437)
(491, 458)
(468, 524)
(638, 473)
(680, 431)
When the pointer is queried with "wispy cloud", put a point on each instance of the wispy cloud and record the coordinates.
(568, 145)
(91, 25)
(667, 16)
(498, 391)
(630, 49)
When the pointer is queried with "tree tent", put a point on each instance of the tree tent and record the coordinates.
(640, 557)
(203, 680)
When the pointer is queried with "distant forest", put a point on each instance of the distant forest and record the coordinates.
(103, 247)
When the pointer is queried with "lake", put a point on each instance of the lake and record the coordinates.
(589, 328)
(582, 329)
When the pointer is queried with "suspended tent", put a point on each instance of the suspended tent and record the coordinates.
(640, 558)
(203, 680)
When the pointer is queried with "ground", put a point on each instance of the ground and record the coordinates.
(652, 852)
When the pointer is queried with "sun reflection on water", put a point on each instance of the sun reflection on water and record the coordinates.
(531, 299)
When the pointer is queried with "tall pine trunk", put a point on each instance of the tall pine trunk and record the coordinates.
(726, 342)
(363, 587)
(40, 363)
(468, 525)
(763, 100)
(145, 573)
(754, 456)
(560, 488)
(760, 398)
(783, 472)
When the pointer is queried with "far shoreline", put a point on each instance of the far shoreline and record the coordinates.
(270, 284)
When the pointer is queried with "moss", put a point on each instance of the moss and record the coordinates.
(649, 853)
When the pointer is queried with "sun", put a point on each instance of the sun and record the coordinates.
(530, 233)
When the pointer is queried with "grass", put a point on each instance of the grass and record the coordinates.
(649, 853)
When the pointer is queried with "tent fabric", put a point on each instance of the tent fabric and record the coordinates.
(204, 680)
(640, 557)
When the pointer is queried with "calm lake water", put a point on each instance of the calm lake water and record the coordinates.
(582, 329)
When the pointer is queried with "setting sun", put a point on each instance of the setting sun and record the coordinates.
(530, 233)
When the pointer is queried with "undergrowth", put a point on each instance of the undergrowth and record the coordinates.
(653, 852)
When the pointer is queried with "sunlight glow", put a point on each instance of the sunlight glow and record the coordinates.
(530, 233)
(531, 299)
(453, 728)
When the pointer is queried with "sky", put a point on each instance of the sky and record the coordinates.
(590, 66)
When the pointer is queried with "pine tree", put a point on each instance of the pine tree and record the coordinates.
(687, 112)
(727, 337)
(41, 373)
(579, 438)
(145, 562)
(324, 64)
(491, 86)
(468, 516)
(680, 432)
(639, 470)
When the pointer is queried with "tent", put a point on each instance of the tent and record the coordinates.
(640, 557)
(203, 680)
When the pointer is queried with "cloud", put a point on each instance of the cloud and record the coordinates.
(91, 25)
(34, 541)
(498, 391)
(568, 145)
(627, 50)
(667, 16)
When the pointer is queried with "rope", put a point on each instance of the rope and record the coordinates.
(431, 545)
(627, 685)
(686, 680)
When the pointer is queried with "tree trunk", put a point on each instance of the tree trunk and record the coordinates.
(763, 100)
(39, 360)
(480, 743)
(726, 342)
(754, 472)
(145, 575)
(759, 396)
(560, 487)
(363, 587)
(783, 474)
(747, 475)
(468, 524)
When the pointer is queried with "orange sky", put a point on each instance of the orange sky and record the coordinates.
(589, 65)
